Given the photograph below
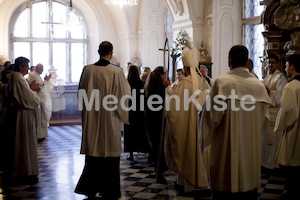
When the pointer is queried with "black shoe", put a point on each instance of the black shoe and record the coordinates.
(26, 180)
(161, 180)
(179, 188)
(110, 198)
(202, 193)
(32, 180)
(41, 139)
(285, 196)
(150, 159)
(130, 158)
(91, 196)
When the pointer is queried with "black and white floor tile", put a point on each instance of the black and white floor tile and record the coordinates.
(61, 165)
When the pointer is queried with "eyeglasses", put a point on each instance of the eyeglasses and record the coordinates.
(26, 65)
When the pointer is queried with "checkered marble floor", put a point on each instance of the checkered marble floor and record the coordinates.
(61, 165)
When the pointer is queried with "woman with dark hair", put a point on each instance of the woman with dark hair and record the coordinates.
(135, 138)
(155, 82)
(154, 116)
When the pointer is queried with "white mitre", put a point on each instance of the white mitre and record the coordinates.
(191, 58)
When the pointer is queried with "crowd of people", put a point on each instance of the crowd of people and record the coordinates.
(216, 135)
(217, 145)
(25, 111)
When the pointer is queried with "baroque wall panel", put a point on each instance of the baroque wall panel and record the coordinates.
(226, 40)
(153, 49)
(227, 2)
(226, 32)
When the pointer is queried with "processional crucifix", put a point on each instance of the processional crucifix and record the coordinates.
(174, 57)
(166, 49)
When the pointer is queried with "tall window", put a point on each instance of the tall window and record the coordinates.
(43, 32)
(252, 33)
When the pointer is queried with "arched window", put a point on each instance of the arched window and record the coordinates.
(51, 33)
(252, 29)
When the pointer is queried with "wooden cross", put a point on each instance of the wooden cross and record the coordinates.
(166, 49)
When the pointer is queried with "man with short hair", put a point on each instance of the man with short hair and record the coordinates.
(46, 104)
(288, 121)
(101, 131)
(32, 69)
(179, 76)
(204, 72)
(232, 123)
(128, 65)
(274, 84)
(26, 99)
(7, 64)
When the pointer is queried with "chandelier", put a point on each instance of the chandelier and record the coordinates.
(73, 20)
(120, 3)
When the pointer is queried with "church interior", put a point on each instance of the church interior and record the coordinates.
(64, 36)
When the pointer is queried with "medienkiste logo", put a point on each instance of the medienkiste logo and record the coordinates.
(111, 102)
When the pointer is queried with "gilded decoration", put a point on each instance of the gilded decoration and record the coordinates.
(287, 17)
(204, 55)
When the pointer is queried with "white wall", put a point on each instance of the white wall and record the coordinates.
(226, 32)
(6, 10)
(152, 33)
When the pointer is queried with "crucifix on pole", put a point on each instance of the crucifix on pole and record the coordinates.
(166, 49)
(174, 54)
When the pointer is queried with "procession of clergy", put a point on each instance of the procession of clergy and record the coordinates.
(239, 126)
(25, 113)
(217, 141)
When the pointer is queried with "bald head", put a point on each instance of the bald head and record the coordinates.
(39, 68)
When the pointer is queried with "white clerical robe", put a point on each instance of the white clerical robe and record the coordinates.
(45, 111)
(252, 72)
(235, 136)
(101, 132)
(182, 140)
(288, 120)
(26, 152)
(275, 83)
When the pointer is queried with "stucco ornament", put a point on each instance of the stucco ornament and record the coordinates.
(295, 2)
(181, 41)
(136, 60)
(204, 55)
(287, 17)
(294, 43)
(178, 7)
